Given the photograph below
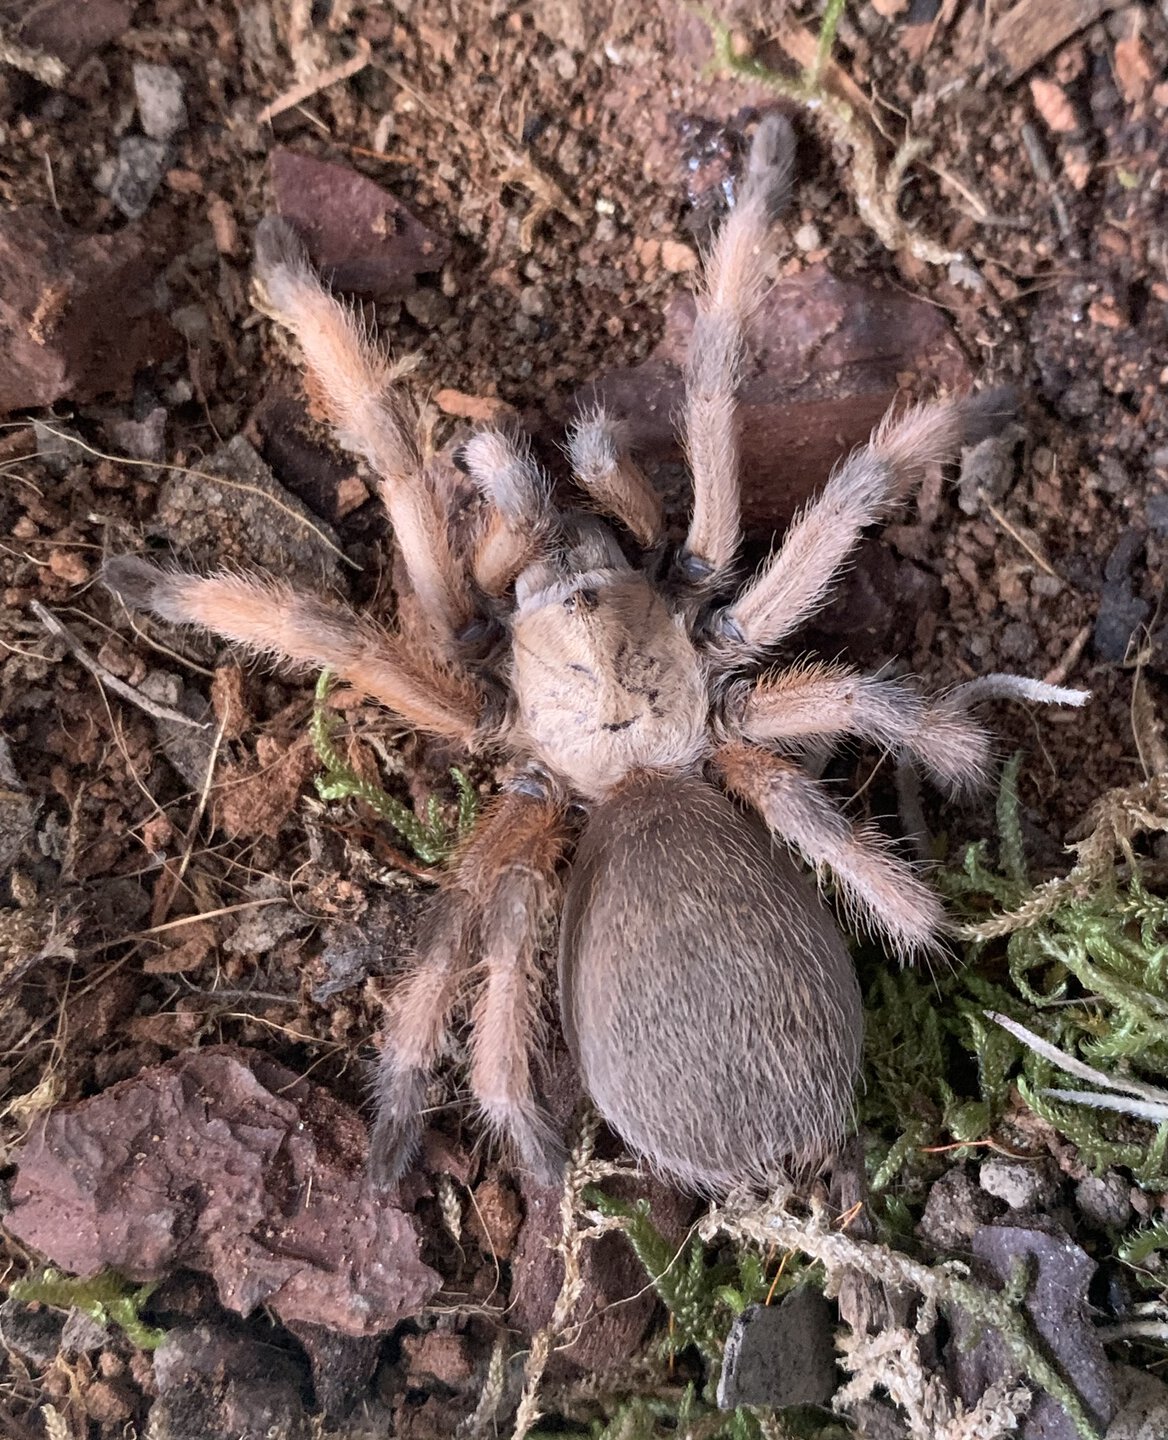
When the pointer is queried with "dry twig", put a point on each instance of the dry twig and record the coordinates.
(104, 677)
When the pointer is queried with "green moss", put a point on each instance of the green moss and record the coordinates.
(108, 1298)
(432, 840)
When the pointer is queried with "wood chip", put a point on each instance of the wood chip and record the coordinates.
(1052, 103)
(1133, 68)
(482, 409)
(1031, 30)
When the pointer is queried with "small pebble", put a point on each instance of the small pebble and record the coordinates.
(132, 178)
(1104, 1199)
(807, 237)
(1019, 641)
(1022, 1185)
(428, 307)
(677, 258)
(161, 108)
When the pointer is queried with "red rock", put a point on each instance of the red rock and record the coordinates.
(495, 1218)
(1054, 105)
(226, 1163)
(73, 29)
(77, 312)
(438, 1358)
(1134, 68)
(825, 360)
(363, 239)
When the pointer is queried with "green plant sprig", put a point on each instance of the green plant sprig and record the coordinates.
(108, 1298)
(432, 840)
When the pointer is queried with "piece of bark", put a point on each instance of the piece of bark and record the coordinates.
(1032, 29)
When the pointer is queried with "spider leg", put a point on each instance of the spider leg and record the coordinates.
(519, 518)
(373, 418)
(494, 905)
(523, 896)
(271, 616)
(604, 468)
(797, 579)
(882, 889)
(735, 283)
(833, 702)
(418, 1013)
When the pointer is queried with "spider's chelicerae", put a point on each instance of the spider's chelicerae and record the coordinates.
(704, 989)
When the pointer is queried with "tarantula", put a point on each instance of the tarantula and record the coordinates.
(705, 991)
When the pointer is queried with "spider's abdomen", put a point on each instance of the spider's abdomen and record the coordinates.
(707, 995)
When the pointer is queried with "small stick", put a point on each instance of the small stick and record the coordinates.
(1058, 675)
(1015, 534)
(318, 82)
(103, 676)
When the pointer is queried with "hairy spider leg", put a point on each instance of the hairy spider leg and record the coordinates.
(798, 577)
(880, 888)
(825, 702)
(491, 912)
(272, 617)
(734, 285)
(372, 418)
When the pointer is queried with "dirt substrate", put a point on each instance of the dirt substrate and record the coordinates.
(172, 882)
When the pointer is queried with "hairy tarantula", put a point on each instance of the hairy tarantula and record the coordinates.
(705, 991)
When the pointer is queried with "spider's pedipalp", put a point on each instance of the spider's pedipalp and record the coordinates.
(735, 282)
(353, 381)
(823, 702)
(272, 617)
(797, 579)
(881, 888)
(519, 517)
(604, 468)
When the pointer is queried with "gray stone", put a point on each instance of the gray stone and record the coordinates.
(779, 1355)
(1022, 1184)
(161, 108)
(987, 469)
(1056, 1306)
(1105, 1200)
(1121, 610)
(133, 177)
(1143, 1406)
(33, 1333)
(215, 1386)
(954, 1212)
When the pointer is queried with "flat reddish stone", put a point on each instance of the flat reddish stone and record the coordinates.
(226, 1163)
(825, 359)
(78, 317)
(361, 237)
